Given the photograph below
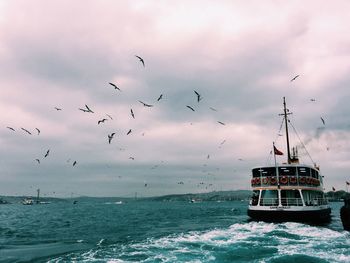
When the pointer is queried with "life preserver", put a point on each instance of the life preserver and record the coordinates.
(265, 180)
(257, 180)
(308, 180)
(252, 181)
(293, 180)
(302, 180)
(284, 180)
(273, 180)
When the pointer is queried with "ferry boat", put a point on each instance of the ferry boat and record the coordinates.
(289, 191)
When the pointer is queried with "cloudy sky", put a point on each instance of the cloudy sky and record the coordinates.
(240, 56)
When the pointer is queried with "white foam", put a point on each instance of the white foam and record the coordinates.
(203, 246)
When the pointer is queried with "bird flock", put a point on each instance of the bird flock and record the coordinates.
(110, 137)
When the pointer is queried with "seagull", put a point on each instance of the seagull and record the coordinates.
(75, 162)
(38, 130)
(47, 153)
(57, 109)
(221, 123)
(145, 104)
(312, 100)
(115, 86)
(110, 137)
(87, 109)
(324, 123)
(109, 116)
(103, 120)
(198, 96)
(160, 97)
(213, 109)
(294, 78)
(190, 108)
(132, 113)
(12, 129)
(131, 158)
(141, 60)
(208, 156)
(37, 161)
(26, 131)
(128, 132)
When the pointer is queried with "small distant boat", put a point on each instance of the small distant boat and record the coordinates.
(118, 202)
(27, 201)
(288, 191)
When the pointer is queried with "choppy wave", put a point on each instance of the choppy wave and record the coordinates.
(241, 242)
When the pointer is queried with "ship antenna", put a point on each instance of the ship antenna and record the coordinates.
(285, 115)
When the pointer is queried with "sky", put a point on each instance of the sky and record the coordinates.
(240, 56)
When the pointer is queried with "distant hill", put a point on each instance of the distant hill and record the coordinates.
(336, 195)
(211, 196)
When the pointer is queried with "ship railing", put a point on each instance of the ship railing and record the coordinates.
(291, 202)
(269, 201)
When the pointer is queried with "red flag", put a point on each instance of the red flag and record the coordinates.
(347, 183)
(333, 189)
(277, 152)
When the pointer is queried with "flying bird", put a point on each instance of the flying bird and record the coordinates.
(47, 153)
(103, 120)
(294, 78)
(198, 96)
(208, 156)
(74, 163)
(38, 130)
(87, 109)
(110, 137)
(141, 60)
(312, 100)
(160, 97)
(26, 131)
(145, 104)
(57, 109)
(109, 116)
(12, 129)
(213, 109)
(131, 158)
(221, 123)
(37, 161)
(128, 132)
(324, 123)
(132, 113)
(115, 86)
(190, 108)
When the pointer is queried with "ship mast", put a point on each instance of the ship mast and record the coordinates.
(285, 114)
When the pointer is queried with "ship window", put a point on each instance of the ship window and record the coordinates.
(264, 171)
(269, 198)
(286, 171)
(304, 171)
(291, 197)
(314, 173)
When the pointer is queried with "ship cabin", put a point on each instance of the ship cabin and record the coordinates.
(287, 185)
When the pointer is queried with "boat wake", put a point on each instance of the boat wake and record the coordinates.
(249, 242)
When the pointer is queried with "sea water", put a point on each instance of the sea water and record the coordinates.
(102, 230)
